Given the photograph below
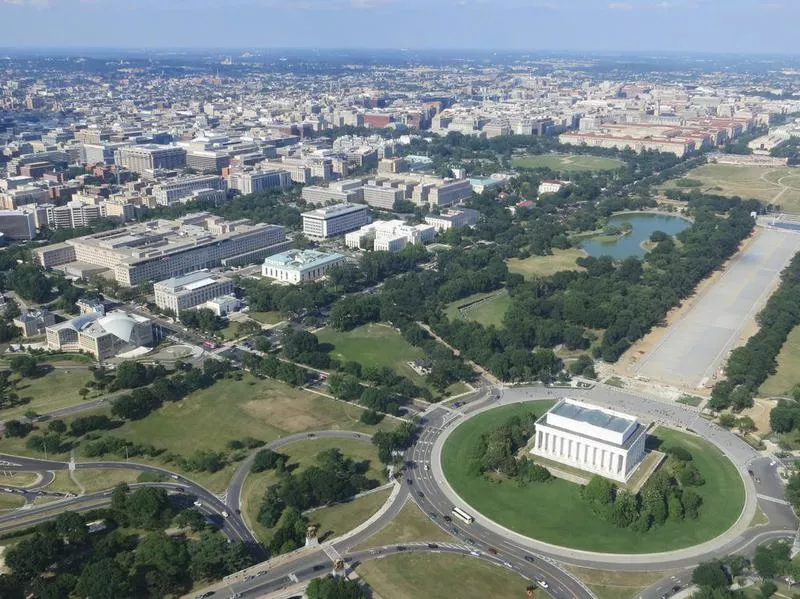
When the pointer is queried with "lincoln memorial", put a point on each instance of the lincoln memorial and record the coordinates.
(592, 439)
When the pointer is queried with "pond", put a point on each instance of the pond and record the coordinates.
(630, 245)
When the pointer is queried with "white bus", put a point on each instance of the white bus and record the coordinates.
(462, 515)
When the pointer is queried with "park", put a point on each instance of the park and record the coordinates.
(568, 162)
(529, 509)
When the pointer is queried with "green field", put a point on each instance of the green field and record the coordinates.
(54, 390)
(568, 162)
(489, 312)
(266, 317)
(411, 524)
(608, 584)
(544, 266)
(788, 373)
(230, 409)
(336, 520)
(417, 575)
(554, 512)
(302, 455)
(770, 184)
(10, 501)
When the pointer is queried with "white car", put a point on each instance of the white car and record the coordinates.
(224, 514)
(475, 553)
(542, 584)
(197, 504)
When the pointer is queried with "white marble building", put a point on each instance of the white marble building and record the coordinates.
(593, 439)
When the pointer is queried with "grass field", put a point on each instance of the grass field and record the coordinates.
(489, 312)
(10, 501)
(607, 584)
(788, 373)
(410, 525)
(336, 520)
(18, 479)
(532, 510)
(568, 162)
(544, 266)
(302, 455)
(230, 409)
(54, 390)
(100, 479)
(416, 575)
(773, 185)
(266, 317)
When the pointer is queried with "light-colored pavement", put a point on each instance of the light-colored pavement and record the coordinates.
(697, 344)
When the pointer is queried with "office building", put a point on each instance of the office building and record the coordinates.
(149, 157)
(18, 224)
(389, 235)
(383, 197)
(331, 221)
(223, 305)
(34, 322)
(160, 249)
(23, 196)
(208, 161)
(180, 189)
(453, 219)
(596, 440)
(103, 336)
(297, 266)
(189, 291)
(247, 182)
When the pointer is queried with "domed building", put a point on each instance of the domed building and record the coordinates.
(103, 336)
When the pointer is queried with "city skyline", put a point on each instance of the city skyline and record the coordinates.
(735, 26)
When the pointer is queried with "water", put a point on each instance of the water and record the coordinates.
(630, 244)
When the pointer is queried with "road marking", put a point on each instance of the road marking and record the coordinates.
(773, 499)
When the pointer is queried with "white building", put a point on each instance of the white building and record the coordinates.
(331, 221)
(297, 266)
(551, 186)
(103, 336)
(454, 218)
(597, 440)
(390, 235)
(181, 189)
(247, 182)
(188, 291)
(223, 305)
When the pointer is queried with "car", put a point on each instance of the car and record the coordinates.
(356, 435)
(197, 504)
(432, 546)
(261, 573)
(471, 541)
(676, 588)
(420, 494)
(475, 553)
(204, 595)
(401, 548)
(427, 467)
(432, 514)
(409, 481)
(772, 462)
(448, 519)
(454, 530)
(224, 514)
(311, 435)
(542, 583)
(174, 476)
(235, 595)
(507, 565)
(492, 550)
(529, 558)
(319, 567)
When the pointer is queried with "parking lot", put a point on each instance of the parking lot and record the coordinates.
(697, 345)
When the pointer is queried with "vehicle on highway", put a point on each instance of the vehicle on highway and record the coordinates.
(427, 467)
(401, 548)
(174, 476)
(319, 567)
(492, 550)
(235, 595)
(432, 546)
(224, 514)
(311, 435)
(454, 530)
(529, 558)
(507, 565)
(471, 541)
(447, 518)
(542, 583)
(432, 514)
(204, 595)
(462, 515)
(676, 588)
(475, 553)
(197, 504)
(409, 481)
(421, 494)
(261, 573)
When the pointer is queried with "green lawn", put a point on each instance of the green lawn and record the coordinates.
(336, 520)
(417, 575)
(10, 501)
(302, 454)
(100, 479)
(759, 182)
(544, 266)
(568, 162)
(54, 390)
(411, 524)
(788, 373)
(608, 584)
(230, 409)
(555, 513)
(488, 312)
(266, 317)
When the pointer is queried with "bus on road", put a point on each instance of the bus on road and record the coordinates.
(462, 515)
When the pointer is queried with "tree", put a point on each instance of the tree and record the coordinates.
(335, 587)
(16, 428)
(746, 425)
(30, 557)
(727, 420)
(103, 579)
(72, 527)
(24, 365)
(168, 556)
(772, 560)
(711, 574)
(213, 557)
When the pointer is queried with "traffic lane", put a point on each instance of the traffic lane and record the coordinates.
(669, 585)
(385, 519)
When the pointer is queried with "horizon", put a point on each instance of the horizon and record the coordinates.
(585, 26)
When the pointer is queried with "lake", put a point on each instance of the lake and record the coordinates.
(630, 245)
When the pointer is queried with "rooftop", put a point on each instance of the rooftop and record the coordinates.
(594, 416)
(301, 259)
(329, 211)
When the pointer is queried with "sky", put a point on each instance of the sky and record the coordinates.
(740, 26)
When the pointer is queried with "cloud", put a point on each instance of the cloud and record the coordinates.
(620, 6)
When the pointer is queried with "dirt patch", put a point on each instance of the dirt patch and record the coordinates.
(760, 415)
(283, 413)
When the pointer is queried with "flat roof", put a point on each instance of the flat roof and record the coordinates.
(301, 259)
(593, 416)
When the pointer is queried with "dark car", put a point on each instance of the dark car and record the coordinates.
(529, 558)
(409, 481)
(319, 567)
(471, 541)
(492, 550)
(432, 514)
(676, 588)
(448, 519)
(432, 546)
(420, 493)
(401, 548)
